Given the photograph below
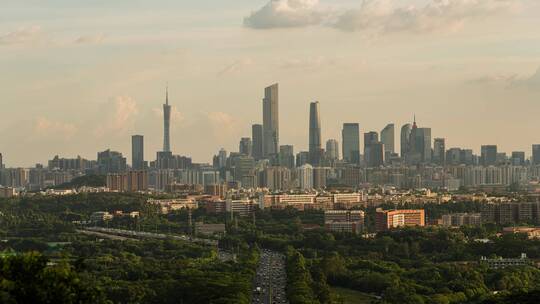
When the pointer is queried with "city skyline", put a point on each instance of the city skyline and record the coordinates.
(83, 86)
(313, 134)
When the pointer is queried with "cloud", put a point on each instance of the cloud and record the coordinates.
(379, 16)
(510, 80)
(44, 127)
(21, 35)
(384, 16)
(530, 82)
(223, 124)
(176, 115)
(235, 67)
(120, 113)
(287, 13)
(90, 39)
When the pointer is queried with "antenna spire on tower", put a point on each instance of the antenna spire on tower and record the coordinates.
(167, 94)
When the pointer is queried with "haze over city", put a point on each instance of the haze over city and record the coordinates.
(86, 77)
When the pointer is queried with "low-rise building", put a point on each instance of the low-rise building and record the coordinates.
(8, 192)
(532, 232)
(499, 263)
(101, 216)
(168, 205)
(461, 219)
(389, 219)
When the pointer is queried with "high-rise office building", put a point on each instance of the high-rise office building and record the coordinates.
(246, 146)
(404, 141)
(419, 145)
(314, 134)
(166, 123)
(370, 138)
(302, 158)
(257, 140)
(111, 162)
(137, 152)
(388, 139)
(453, 156)
(375, 154)
(222, 158)
(1, 162)
(351, 142)
(439, 151)
(488, 155)
(535, 155)
(286, 156)
(518, 158)
(271, 121)
(332, 149)
(305, 177)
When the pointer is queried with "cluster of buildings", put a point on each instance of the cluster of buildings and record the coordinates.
(262, 161)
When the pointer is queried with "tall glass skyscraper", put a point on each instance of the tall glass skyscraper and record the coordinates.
(137, 152)
(257, 139)
(387, 138)
(405, 138)
(351, 142)
(166, 123)
(314, 134)
(271, 121)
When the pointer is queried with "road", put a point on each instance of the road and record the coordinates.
(270, 280)
(142, 234)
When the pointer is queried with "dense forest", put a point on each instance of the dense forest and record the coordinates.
(46, 258)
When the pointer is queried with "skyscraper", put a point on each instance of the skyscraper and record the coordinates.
(518, 158)
(305, 177)
(370, 138)
(439, 151)
(419, 145)
(257, 139)
(166, 123)
(535, 155)
(423, 144)
(246, 146)
(375, 154)
(286, 156)
(405, 137)
(351, 142)
(332, 149)
(222, 158)
(271, 121)
(137, 152)
(1, 162)
(488, 155)
(314, 134)
(387, 138)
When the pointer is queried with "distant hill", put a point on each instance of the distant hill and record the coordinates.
(91, 180)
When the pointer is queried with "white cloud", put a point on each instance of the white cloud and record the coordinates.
(120, 114)
(44, 127)
(223, 124)
(438, 15)
(21, 35)
(380, 16)
(287, 13)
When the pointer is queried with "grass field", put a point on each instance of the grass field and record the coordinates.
(350, 296)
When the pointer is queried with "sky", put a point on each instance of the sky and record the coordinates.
(80, 77)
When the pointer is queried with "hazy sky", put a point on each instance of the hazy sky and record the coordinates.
(79, 77)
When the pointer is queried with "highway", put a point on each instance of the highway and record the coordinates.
(270, 280)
